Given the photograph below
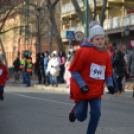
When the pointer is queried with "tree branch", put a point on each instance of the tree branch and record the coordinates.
(5, 18)
(54, 3)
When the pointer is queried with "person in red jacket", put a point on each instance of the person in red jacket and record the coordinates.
(4, 76)
(90, 69)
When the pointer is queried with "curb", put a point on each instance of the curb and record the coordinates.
(58, 89)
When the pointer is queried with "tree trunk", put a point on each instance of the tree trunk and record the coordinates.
(103, 12)
(78, 11)
(54, 26)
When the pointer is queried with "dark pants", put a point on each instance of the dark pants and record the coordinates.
(16, 75)
(60, 77)
(1, 90)
(41, 75)
(28, 78)
(81, 110)
(119, 80)
(23, 76)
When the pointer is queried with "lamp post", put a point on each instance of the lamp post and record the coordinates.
(127, 32)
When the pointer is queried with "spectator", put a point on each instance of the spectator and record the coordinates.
(62, 69)
(114, 47)
(119, 68)
(22, 65)
(55, 67)
(67, 75)
(130, 64)
(16, 66)
(41, 67)
(46, 60)
(38, 58)
(28, 70)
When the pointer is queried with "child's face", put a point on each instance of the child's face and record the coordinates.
(98, 41)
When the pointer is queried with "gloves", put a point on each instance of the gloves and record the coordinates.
(111, 90)
(84, 90)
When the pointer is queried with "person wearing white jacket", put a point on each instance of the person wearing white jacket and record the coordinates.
(54, 68)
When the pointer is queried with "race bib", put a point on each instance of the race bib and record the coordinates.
(1, 71)
(97, 71)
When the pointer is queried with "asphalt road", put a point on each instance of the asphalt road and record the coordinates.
(34, 111)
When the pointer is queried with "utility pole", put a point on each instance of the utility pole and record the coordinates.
(26, 21)
(86, 18)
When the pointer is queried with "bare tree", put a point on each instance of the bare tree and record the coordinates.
(51, 10)
(80, 15)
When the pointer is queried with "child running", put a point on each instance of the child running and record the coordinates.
(4, 76)
(90, 68)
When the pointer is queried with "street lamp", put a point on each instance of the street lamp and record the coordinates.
(127, 32)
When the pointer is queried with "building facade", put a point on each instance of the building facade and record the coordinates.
(13, 32)
(118, 15)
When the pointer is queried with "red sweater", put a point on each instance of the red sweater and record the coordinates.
(87, 62)
(4, 76)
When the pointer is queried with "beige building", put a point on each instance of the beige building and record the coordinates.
(119, 14)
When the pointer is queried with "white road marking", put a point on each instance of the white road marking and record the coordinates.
(42, 99)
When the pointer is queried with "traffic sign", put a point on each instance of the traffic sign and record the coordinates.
(70, 35)
(79, 36)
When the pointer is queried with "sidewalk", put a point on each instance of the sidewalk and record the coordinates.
(60, 88)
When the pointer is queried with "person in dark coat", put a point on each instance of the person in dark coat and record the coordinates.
(38, 58)
(16, 67)
(62, 68)
(119, 68)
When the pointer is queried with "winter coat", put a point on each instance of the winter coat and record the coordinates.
(130, 63)
(119, 65)
(55, 62)
(41, 64)
(89, 67)
(4, 76)
(16, 64)
(37, 61)
(46, 60)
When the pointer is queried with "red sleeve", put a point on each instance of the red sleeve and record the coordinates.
(109, 68)
(78, 61)
(6, 74)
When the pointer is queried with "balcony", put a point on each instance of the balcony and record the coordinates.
(118, 22)
(67, 8)
(111, 24)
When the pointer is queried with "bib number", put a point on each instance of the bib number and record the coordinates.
(97, 71)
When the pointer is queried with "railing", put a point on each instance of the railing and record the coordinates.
(118, 22)
(69, 6)
(113, 23)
